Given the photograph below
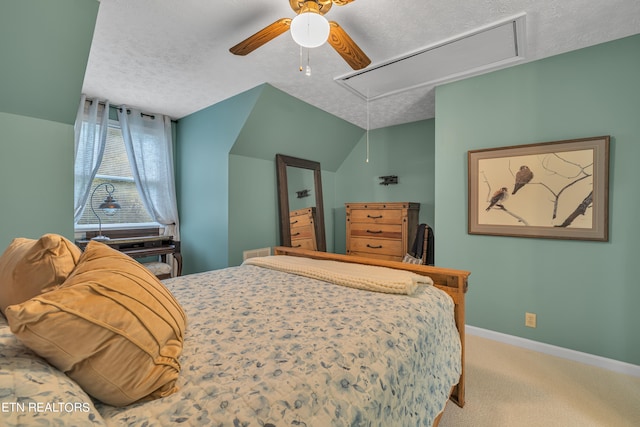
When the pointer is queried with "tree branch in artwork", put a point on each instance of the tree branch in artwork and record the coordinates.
(557, 199)
(581, 169)
(580, 210)
(507, 211)
(556, 196)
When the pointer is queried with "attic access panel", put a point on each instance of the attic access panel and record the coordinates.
(488, 48)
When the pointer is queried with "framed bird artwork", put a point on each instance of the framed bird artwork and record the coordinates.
(555, 190)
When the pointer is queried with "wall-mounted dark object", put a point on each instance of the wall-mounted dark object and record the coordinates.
(303, 193)
(389, 179)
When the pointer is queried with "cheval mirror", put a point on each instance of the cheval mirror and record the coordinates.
(291, 173)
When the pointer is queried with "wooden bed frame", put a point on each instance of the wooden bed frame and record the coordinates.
(453, 282)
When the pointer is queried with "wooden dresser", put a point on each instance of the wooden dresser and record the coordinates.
(381, 230)
(303, 228)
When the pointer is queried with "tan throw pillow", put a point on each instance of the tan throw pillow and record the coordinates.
(112, 327)
(29, 267)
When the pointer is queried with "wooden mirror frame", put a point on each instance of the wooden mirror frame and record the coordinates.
(282, 161)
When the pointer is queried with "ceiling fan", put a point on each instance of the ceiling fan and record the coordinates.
(308, 12)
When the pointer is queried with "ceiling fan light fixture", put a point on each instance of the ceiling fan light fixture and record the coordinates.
(310, 29)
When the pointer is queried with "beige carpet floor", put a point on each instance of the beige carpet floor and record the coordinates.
(516, 387)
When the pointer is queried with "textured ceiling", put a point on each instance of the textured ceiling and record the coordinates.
(172, 56)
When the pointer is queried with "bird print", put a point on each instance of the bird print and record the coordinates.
(498, 197)
(523, 176)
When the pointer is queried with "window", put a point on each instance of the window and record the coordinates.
(115, 169)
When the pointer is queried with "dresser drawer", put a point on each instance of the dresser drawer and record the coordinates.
(303, 232)
(380, 229)
(300, 221)
(304, 244)
(374, 230)
(377, 246)
(376, 216)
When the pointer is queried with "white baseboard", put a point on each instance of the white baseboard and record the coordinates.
(576, 356)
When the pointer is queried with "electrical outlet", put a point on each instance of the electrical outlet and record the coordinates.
(530, 320)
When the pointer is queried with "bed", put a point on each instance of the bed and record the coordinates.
(270, 347)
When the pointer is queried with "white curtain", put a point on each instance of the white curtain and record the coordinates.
(90, 129)
(148, 141)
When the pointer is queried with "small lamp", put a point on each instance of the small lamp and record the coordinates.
(310, 29)
(109, 206)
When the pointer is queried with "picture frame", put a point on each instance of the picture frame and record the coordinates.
(553, 190)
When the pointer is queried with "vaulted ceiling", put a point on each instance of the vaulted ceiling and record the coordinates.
(172, 56)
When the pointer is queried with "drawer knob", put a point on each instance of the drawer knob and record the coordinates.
(374, 231)
(374, 217)
(374, 247)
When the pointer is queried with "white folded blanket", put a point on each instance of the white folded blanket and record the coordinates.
(367, 277)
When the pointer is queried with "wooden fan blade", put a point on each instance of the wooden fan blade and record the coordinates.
(263, 36)
(346, 47)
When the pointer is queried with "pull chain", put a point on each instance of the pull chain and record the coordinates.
(307, 69)
(300, 59)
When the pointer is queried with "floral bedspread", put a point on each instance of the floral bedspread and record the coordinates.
(267, 348)
(34, 393)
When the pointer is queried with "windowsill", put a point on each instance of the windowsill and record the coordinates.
(80, 230)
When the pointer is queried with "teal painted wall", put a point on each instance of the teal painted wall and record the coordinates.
(36, 171)
(280, 124)
(283, 124)
(253, 206)
(584, 293)
(406, 151)
(227, 152)
(204, 140)
(44, 46)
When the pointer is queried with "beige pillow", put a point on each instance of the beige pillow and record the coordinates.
(29, 267)
(112, 327)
